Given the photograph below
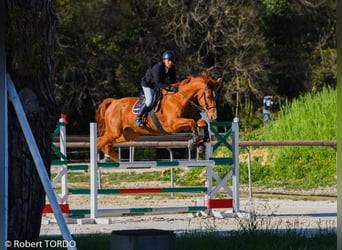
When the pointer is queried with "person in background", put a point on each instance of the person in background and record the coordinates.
(155, 77)
(267, 105)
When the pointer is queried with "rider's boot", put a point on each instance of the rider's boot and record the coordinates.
(139, 121)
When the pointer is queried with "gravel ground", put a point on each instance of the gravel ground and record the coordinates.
(270, 213)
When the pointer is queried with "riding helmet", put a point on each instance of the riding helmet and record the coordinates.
(169, 54)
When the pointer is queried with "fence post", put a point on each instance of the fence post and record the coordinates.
(93, 171)
(236, 169)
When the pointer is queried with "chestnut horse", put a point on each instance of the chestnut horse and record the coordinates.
(115, 117)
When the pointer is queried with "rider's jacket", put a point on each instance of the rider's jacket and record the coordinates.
(157, 74)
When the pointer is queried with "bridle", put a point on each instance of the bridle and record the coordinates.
(207, 107)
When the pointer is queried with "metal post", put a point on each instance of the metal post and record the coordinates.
(208, 170)
(93, 171)
(3, 133)
(249, 164)
(236, 169)
(44, 177)
(208, 145)
(209, 182)
(172, 172)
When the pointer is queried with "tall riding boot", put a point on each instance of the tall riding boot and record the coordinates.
(139, 121)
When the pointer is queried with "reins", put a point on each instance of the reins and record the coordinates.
(207, 107)
(191, 102)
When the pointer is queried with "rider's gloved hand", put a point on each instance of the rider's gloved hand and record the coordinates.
(173, 89)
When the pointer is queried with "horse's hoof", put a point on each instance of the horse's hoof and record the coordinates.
(206, 139)
(200, 149)
(106, 159)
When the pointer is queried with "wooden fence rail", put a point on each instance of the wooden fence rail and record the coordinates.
(328, 143)
(181, 140)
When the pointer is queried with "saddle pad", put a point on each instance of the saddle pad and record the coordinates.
(137, 105)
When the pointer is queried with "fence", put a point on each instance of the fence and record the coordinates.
(207, 204)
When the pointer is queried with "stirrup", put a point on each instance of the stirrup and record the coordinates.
(139, 123)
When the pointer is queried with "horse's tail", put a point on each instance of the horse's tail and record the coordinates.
(100, 116)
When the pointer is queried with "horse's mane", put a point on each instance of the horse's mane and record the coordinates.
(187, 80)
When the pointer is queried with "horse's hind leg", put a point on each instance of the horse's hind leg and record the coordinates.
(110, 153)
(105, 145)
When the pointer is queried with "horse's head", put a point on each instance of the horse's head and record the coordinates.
(207, 96)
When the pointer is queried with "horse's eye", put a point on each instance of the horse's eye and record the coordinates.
(211, 95)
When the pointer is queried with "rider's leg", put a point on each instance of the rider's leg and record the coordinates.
(148, 92)
(139, 122)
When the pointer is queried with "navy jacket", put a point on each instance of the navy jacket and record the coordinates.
(157, 74)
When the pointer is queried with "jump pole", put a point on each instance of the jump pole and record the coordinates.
(38, 162)
(209, 203)
(93, 171)
(62, 151)
(95, 211)
(62, 175)
(236, 169)
(63, 147)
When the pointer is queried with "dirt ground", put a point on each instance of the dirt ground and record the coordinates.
(307, 210)
(270, 213)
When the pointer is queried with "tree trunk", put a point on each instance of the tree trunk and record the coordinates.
(29, 44)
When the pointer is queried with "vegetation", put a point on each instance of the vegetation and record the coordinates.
(281, 48)
(256, 240)
(265, 240)
(310, 117)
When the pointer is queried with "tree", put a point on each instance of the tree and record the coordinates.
(269, 47)
(29, 48)
(301, 42)
(223, 38)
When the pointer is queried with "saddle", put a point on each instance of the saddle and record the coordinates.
(155, 106)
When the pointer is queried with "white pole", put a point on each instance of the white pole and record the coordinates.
(208, 145)
(236, 169)
(93, 171)
(3, 133)
(63, 149)
(39, 163)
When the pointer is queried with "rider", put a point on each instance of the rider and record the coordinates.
(155, 77)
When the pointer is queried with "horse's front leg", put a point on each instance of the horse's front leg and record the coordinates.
(195, 137)
(184, 124)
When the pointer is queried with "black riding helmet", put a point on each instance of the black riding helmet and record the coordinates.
(169, 54)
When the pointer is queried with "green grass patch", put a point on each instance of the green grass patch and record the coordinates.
(255, 240)
(261, 239)
(311, 117)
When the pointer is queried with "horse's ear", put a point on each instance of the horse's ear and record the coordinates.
(204, 74)
(217, 82)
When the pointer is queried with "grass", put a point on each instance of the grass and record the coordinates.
(311, 117)
(263, 240)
